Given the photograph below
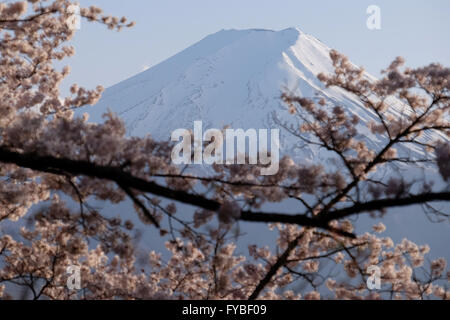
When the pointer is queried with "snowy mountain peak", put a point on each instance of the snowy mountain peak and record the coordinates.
(231, 70)
(232, 77)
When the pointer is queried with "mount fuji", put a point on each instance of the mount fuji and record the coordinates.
(234, 78)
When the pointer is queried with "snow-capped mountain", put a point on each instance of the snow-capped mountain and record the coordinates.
(235, 78)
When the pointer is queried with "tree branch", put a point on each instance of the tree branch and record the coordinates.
(127, 182)
(388, 203)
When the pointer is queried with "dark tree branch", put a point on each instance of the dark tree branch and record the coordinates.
(139, 204)
(127, 182)
(281, 261)
(388, 203)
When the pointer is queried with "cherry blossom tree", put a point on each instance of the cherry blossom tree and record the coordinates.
(51, 159)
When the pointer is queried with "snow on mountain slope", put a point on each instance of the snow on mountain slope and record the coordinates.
(230, 78)
(235, 78)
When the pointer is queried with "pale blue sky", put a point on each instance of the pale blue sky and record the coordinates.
(417, 30)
